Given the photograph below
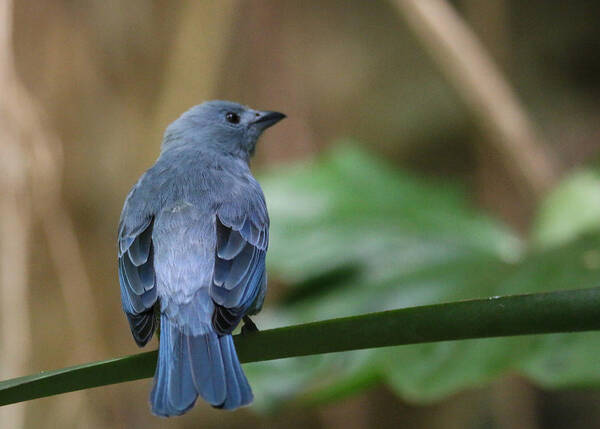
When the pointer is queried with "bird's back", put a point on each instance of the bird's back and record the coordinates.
(184, 248)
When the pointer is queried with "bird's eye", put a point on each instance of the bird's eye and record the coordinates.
(232, 118)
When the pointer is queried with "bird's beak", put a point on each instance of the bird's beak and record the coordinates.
(266, 119)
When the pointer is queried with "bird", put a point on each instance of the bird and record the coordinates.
(192, 242)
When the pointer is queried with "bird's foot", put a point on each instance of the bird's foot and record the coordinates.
(249, 326)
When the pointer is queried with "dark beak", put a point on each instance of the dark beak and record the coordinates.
(266, 119)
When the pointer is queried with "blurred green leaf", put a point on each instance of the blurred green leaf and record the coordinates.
(414, 242)
(571, 208)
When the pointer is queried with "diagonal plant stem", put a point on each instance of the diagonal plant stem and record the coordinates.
(479, 82)
(542, 313)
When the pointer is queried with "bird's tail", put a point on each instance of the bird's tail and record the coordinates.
(190, 366)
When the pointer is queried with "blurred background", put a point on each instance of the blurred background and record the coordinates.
(434, 150)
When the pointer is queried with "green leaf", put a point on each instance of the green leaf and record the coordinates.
(570, 209)
(349, 205)
(513, 315)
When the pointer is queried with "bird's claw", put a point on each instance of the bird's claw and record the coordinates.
(249, 326)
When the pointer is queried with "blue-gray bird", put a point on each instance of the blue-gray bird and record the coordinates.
(193, 236)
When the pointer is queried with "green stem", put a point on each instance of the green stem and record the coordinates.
(564, 311)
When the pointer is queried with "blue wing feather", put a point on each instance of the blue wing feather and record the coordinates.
(222, 268)
(233, 246)
(136, 273)
(241, 265)
(139, 250)
(239, 272)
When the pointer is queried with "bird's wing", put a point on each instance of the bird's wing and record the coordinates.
(239, 280)
(136, 268)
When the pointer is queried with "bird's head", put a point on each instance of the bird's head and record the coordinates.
(220, 126)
